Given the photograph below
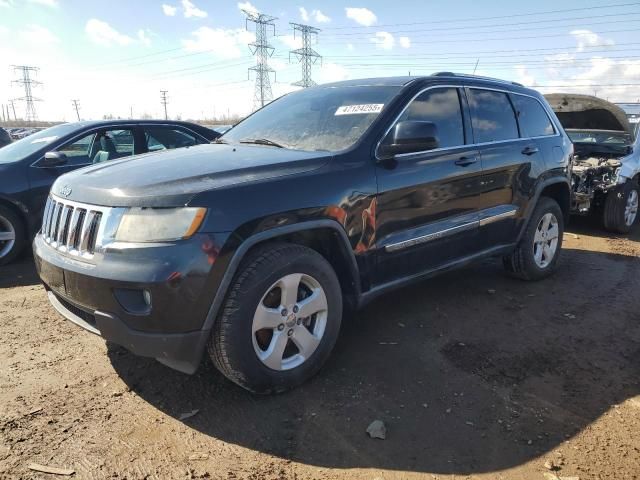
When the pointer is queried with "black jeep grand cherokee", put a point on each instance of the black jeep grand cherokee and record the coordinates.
(251, 247)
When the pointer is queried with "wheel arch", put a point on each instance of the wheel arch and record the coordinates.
(327, 237)
(555, 188)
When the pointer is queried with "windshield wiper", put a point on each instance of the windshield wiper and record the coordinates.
(262, 141)
(220, 140)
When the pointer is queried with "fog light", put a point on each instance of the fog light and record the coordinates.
(146, 296)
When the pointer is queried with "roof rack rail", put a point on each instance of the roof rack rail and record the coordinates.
(479, 77)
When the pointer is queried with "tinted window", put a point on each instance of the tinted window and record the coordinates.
(442, 107)
(534, 121)
(78, 151)
(492, 116)
(163, 138)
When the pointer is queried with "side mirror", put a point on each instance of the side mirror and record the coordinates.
(410, 137)
(53, 159)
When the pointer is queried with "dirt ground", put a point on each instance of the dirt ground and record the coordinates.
(475, 375)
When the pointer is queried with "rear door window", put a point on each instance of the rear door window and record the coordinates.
(166, 138)
(440, 106)
(492, 116)
(534, 121)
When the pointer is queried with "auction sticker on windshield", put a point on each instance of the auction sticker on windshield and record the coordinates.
(359, 109)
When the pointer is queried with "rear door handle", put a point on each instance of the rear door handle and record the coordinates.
(530, 150)
(465, 161)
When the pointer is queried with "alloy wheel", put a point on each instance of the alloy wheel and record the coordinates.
(631, 208)
(289, 322)
(545, 241)
(7, 236)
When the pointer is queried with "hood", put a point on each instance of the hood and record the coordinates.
(584, 112)
(173, 177)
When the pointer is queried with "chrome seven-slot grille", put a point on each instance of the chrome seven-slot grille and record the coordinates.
(71, 227)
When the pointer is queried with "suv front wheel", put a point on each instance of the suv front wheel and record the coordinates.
(280, 320)
(536, 255)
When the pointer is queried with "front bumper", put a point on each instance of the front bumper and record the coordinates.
(105, 298)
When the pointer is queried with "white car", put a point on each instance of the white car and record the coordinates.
(606, 165)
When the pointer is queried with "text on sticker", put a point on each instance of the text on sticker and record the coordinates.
(360, 109)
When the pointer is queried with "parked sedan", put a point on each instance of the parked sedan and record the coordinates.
(28, 167)
(5, 138)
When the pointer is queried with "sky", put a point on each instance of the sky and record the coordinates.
(115, 57)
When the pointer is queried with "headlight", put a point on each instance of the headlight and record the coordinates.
(159, 224)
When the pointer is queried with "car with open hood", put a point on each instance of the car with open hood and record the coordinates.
(606, 164)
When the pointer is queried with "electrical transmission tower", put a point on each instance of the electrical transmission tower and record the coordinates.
(262, 50)
(28, 83)
(13, 107)
(306, 55)
(76, 107)
(164, 101)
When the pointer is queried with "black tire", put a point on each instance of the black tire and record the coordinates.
(231, 345)
(521, 263)
(614, 207)
(9, 216)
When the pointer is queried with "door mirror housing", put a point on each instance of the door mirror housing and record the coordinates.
(53, 159)
(410, 137)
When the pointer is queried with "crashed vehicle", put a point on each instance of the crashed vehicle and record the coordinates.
(606, 164)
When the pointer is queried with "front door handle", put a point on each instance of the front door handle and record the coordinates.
(465, 161)
(530, 150)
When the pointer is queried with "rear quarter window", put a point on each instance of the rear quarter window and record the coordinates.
(534, 121)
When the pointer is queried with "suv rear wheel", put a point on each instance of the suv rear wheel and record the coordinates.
(536, 256)
(12, 235)
(621, 208)
(280, 320)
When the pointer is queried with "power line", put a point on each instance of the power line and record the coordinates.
(475, 30)
(76, 107)
(471, 19)
(28, 83)
(262, 50)
(306, 55)
(13, 107)
(164, 101)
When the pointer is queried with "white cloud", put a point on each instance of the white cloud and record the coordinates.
(46, 3)
(350, 47)
(332, 72)
(291, 41)
(221, 43)
(304, 15)
(6, 3)
(104, 34)
(38, 35)
(248, 7)
(190, 10)
(405, 42)
(169, 10)
(363, 16)
(145, 37)
(587, 38)
(384, 40)
(320, 17)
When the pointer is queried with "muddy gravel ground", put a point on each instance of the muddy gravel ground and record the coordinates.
(475, 375)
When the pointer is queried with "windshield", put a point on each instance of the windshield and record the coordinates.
(22, 148)
(600, 137)
(315, 119)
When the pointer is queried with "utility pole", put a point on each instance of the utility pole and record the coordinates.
(3, 117)
(164, 101)
(262, 50)
(306, 55)
(28, 83)
(76, 107)
(13, 107)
